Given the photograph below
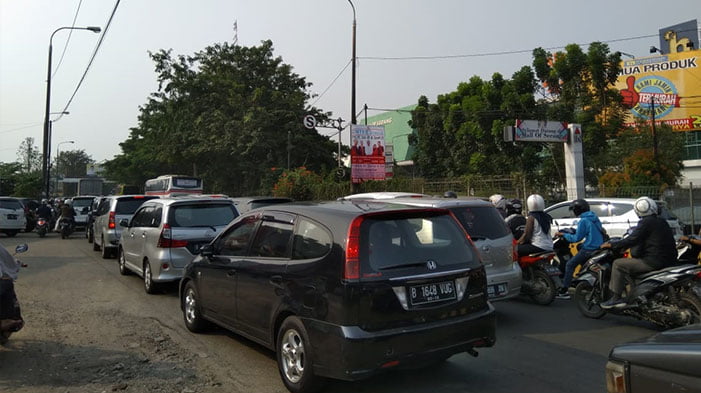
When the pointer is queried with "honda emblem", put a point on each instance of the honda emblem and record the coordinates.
(431, 265)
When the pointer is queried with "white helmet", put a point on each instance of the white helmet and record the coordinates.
(644, 206)
(498, 200)
(535, 203)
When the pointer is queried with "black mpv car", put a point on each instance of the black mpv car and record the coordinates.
(343, 289)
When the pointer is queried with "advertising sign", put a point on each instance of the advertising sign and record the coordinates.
(367, 153)
(666, 88)
(679, 37)
(540, 131)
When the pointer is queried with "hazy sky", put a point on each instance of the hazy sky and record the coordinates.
(314, 36)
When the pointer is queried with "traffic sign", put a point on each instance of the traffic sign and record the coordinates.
(309, 122)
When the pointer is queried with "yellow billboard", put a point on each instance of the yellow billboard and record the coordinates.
(665, 88)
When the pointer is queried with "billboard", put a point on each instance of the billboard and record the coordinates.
(679, 38)
(666, 88)
(539, 131)
(367, 153)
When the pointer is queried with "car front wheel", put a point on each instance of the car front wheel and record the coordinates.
(294, 357)
(191, 310)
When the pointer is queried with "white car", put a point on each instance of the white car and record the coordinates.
(12, 217)
(616, 215)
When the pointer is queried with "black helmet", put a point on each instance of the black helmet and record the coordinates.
(579, 206)
(450, 194)
(514, 206)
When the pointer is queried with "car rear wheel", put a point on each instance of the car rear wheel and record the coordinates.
(294, 357)
(589, 300)
(544, 287)
(150, 286)
(11, 233)
(191, 310)
(122, 261)
(89, 235)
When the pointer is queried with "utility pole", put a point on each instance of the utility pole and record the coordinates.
(654, 136)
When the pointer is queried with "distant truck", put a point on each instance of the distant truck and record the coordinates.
(90, 186)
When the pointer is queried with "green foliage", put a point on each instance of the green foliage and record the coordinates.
(463, 132)
(298, 184)
(28, 155)
(15, 181)
(72, 163)
(223, 114)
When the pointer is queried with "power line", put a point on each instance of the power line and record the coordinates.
(92, 58)
(20, 128)
(332, 83)
(70, 33)
(500, 53)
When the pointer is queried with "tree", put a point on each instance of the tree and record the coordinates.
(462, 133)
(72, 163)
(28, 155)
(223, 114)
(579, 88)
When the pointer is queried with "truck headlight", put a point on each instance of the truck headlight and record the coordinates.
(616, 377)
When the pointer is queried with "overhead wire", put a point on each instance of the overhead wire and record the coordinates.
(92, 58)
(332, 82)
(70, 33)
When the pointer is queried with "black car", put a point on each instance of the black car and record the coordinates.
(667, 362)
(343, 289)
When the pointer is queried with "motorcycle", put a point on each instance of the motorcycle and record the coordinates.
(665, 297)
(12, 321)
(42, 226)
(688, 252)
(541, 279)
(65, 226)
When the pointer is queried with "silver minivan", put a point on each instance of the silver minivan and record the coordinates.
(110, 212)
(165, 234)
(491, 237)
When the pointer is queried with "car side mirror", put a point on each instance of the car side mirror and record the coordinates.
(207, 250)
(21, 248)
(124, 222)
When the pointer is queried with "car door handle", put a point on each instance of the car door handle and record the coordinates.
(276, 281)
(143, 234)
(231, 273)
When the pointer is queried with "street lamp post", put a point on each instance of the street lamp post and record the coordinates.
(58, 155)
(354, 120)
(47, 126)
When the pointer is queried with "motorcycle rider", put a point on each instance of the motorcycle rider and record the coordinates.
(67, 211)
(588, 228)
(10, 316)
(44, 211)
(514, 218)
(536, 237)
(500, 203)
(652, 247)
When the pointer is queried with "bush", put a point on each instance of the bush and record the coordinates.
(297, 184)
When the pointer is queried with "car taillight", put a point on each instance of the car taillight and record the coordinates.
(111, 224)
(165, 240)
(514, 249)
(351, 269)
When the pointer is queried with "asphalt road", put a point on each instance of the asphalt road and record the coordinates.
(539, 348)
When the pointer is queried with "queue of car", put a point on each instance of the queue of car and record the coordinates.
(343, 289)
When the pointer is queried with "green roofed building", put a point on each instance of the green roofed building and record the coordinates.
(397, 131)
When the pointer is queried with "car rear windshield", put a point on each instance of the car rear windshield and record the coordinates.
(415, 242)
(482, 222)
(202, 215)
(129, 205)
(11, 204)
(83, 202)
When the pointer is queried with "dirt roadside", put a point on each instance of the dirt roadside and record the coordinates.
(86, 332)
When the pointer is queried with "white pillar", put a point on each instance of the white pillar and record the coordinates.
(574, 163)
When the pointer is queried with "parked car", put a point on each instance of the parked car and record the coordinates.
(246, 204)
(30, 207)
(82, 205)
(165, 234)
(111, 210)
(616, 215)
(488, 231)
(12, 216)
(90, 224)
(666, 362)
(342, 289)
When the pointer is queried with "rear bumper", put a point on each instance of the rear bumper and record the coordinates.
(511, 278)
(351, 353)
